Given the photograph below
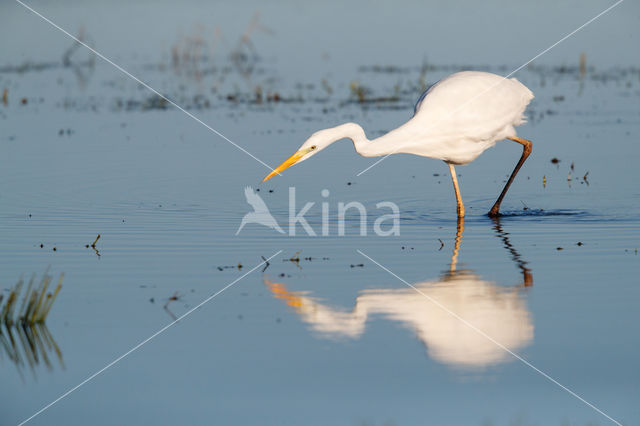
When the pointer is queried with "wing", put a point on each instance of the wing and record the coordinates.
(421, 98)
(254, 200)
(473, 104)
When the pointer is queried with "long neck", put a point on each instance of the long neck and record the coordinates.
(353, 131)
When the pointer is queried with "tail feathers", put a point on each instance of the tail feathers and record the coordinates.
(527, 94)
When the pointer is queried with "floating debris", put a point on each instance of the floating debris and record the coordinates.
(273, 97)
(173, 298)
(222, 268)
(93, 246)
(295, 258)
(555, 160)
(5, 97)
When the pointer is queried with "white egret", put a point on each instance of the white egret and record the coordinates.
(455, 121)
(499, 311)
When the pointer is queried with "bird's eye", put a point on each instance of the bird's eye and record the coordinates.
(313, 147)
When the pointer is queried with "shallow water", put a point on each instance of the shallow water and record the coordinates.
(331, 338)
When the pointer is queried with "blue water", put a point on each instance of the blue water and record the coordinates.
(332, 338)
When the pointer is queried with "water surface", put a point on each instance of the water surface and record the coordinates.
(332, 338)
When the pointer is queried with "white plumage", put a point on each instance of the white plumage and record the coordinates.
(497, 310)
(456, 120)
(464, 114)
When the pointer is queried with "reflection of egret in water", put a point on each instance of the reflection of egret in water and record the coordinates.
(29, 345)
(498, 311)
(515, 256)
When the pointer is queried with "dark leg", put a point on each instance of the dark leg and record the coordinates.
(527, 275)
(526, 150)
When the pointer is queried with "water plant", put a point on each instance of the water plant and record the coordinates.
(36, 301)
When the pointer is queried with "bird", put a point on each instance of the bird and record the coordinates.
(260, 213)
(497, 310)
(455, 121)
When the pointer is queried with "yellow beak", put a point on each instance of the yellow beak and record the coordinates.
(288, 163)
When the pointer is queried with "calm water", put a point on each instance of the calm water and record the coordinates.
(332, 338)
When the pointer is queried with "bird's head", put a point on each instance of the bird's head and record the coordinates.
(316, 143)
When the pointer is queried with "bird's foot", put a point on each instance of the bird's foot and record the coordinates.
(494, 212)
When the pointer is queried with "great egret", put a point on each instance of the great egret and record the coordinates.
(499, 311)
(455, 121)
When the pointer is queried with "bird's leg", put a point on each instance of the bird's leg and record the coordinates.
(526, 150)
(456, 247)
(527, 275)
(460, 206)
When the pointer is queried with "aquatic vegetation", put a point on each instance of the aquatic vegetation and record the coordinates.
(24, 336)
(29, 344)
(237, 73)
(36, 302)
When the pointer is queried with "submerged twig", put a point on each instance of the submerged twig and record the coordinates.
(294, 259)
(93, 245)
(175, 296)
